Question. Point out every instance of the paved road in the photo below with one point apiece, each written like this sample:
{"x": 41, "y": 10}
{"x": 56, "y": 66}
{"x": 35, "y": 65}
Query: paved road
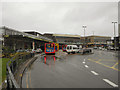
{"x": 98, "y": 70}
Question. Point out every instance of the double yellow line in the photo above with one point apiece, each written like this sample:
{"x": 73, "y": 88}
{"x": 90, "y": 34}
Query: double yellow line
{"x": 28, "y": 78}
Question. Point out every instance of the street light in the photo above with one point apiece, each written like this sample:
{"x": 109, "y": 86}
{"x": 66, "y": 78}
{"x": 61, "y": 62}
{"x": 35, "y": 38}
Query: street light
{"x": 93, "y": 33}
{"x": 114, "y": 35}
{"x": 84, "y": 27}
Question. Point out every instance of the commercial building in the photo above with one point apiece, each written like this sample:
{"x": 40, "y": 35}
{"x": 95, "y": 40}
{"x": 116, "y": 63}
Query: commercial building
{"x": 33, "y": 33}
{"x": 64, "y": 38}
{"x": 97, "y": 40}
{"x": 50, "y": 35}
{"x": 67, "y": 39}
{"x": 77, "y": 39}
{"x": 14, "y": 39}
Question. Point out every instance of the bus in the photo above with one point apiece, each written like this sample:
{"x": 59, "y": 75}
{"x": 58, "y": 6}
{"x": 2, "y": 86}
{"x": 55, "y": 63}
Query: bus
{"x": 56, "y": 46}
{"x": 50, "y": 48}
{"x": 64, "y": 48}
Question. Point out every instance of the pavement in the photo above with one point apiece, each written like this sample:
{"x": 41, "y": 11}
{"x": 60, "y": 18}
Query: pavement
{"x": 98, "y": 70}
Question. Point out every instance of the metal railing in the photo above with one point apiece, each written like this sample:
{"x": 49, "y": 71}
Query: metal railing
{"x": 12, "y": 68}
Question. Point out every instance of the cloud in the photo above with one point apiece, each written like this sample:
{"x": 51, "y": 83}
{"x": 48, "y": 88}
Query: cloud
{"x": 0, "y": 14}
{"x": 62, "y": 17}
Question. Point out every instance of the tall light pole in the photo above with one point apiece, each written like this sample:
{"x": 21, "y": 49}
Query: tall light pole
{"x": 84, "y": 27}
{"x": 94, "y": 40}
{"x": 93, "y": 33}
{"x": 114, "y": 35}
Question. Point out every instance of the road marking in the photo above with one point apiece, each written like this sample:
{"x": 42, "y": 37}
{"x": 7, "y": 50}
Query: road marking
{"x": 111, "y": 83}
{"x": 109, "y": 60}
{"x": 98, "y": 60}
{"x": 103, "y": 59}
{"x": 83, "y": 62}
{"x": 94, "y": 73}
{"x": 114, "y": 65}
{"x": 27, "y": 80}
{"x": 86, "y": 66}
{"x": 20, "y": 75}
{"x": 104, "y": 65}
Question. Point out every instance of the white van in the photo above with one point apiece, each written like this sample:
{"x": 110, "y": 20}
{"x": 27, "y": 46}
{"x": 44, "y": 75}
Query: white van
{"x": 72, "y": 49}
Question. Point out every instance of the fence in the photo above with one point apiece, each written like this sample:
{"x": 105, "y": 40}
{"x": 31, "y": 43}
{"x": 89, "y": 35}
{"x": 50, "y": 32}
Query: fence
{"x": 12, "y": 67}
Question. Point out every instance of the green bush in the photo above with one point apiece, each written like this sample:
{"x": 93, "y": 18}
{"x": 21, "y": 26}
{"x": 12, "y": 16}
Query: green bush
{"x": 7, "y": 52}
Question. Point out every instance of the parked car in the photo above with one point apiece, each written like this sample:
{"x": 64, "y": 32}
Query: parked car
{"x": 103, "y": 49}
{"x": 110, "y": 48}
{"x": 95, "y": 47}
{"x": 100, "y": 48}
{"x": 20, "y": 50}
{"x": 38, "y": 50}
{"x": 33, "y": 51}
{"x": 27, "y": 50}
{"x": 87, "y": 50}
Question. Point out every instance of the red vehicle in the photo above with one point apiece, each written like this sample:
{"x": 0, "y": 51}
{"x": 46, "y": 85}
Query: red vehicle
{"x": 64, "y": 47}
{"x": 50, "y": 48}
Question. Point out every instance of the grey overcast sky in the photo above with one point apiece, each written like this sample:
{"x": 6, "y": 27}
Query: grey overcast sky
{"x": 61, "y": 17}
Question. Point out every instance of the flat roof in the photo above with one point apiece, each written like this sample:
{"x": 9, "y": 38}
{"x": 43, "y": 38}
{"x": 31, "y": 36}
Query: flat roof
{"x": 98, "y": 36}
{"x": 66, "y": 35}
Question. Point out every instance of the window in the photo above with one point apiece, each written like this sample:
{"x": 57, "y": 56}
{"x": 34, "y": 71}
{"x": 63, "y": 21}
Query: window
{"x": 75, "y": 48}
{"x": 67, "y": 47}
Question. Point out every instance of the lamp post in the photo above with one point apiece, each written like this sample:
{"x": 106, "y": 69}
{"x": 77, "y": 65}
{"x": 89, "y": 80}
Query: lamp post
{"x": 93, "y": 33}
{"x": 114, "y": 35}
{"x": 84, "y": 27}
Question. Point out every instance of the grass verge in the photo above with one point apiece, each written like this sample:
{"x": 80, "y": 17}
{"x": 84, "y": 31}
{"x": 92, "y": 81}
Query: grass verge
{"x": 3, "y": 62}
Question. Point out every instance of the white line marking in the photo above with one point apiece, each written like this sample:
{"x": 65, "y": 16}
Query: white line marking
{"x": 94, "y": 73}
{"x": 86, "y": 66}
{"x": 111, "y": 83}
{"x": 83, "y": 62}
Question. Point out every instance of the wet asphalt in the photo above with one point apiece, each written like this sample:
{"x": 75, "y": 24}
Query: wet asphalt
{"x": 73, "y": 71}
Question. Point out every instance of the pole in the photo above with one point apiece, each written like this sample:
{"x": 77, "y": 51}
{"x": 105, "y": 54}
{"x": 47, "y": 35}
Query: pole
{"x": 93, "y": 33}
{"x": 114, "y": 36}
{"x": 114, "y": 30}
{"x": 33, "y": 45}
{"x": 84, "y": 37}
{"x": 84, "y": 34}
